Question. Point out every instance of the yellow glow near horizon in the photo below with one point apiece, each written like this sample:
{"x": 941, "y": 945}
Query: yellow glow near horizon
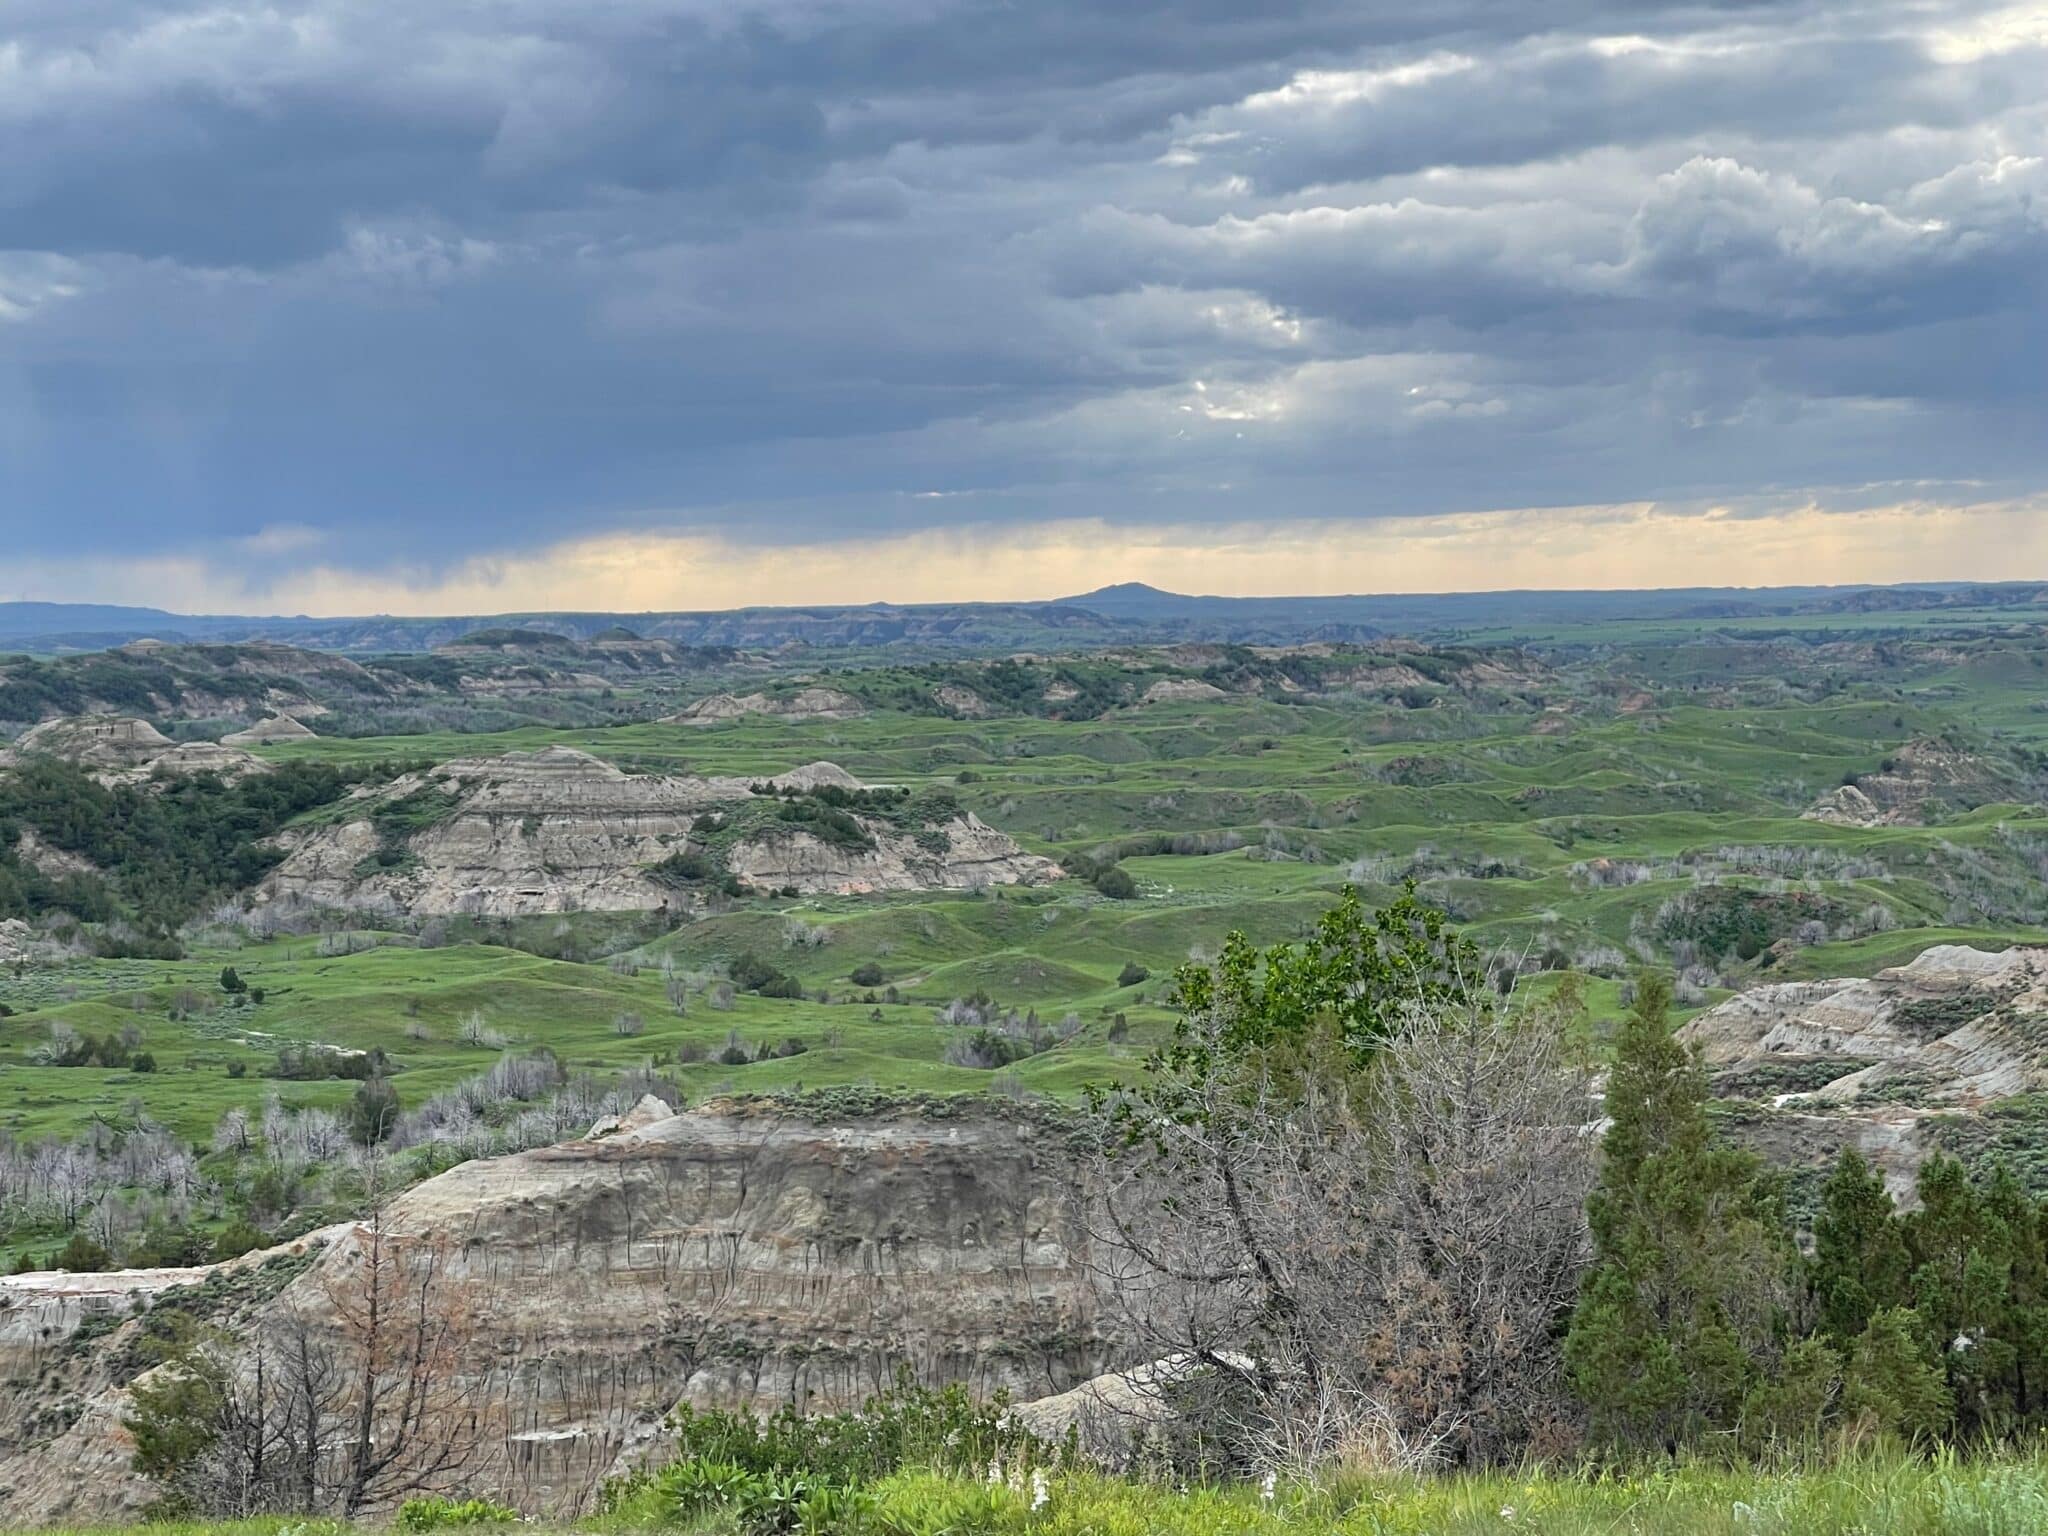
{"x": 1627, "y": 546}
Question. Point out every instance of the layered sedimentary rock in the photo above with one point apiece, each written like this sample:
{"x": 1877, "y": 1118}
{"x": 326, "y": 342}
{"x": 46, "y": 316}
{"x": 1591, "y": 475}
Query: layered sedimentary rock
{"x": 1182, "y": 690}
{"x": 1875, "y": 1061}
{"x": 122, "y": 749}
{"x": 1919, "y": 783}
{"x": 560, "y": 831}
{"x": 736, "y": 1255}
{"x": 272, "y": 728}
{"x": 804, "y": 704}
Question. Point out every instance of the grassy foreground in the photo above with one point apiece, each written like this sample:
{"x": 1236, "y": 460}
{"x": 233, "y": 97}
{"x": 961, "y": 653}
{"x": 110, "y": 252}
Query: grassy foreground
{"x": 1866, "y": 1495}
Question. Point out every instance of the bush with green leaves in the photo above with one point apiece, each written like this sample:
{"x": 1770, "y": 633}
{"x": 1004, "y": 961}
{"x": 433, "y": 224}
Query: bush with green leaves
{"x": 439, "y": 1514}
{"x": 798, "y": 1472}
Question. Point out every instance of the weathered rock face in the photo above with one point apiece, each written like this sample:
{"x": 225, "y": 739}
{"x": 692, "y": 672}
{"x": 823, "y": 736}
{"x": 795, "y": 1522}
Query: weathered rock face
{"x": 1182, "y": 690}
{"x": 17, "y": 940}
{"x": 737, "y": 1255}
{"x": 1922, "y": 780}
{"x": 972, "y": 854}
{"x": 272, "y": 728}
{"x": 964, "y": 702}
{"x": 121, "y": 749}
{"x": 804, "y": 704}
{"x": 1956, "y": 1030}
{"x": 560, "y": 831}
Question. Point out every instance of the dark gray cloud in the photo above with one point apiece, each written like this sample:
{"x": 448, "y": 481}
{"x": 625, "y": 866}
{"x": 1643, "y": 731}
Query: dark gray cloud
{"x": 428, "y": 281}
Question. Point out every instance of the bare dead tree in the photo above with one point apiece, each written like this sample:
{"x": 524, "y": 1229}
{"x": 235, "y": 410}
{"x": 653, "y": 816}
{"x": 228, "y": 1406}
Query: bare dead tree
{"x": 1338, "y": 1257}
{"x": 414, "y": 1422}
{"x": 363, "y": 1385}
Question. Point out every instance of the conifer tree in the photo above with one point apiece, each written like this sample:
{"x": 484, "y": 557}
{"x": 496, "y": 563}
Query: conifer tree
{"x": 1892, "y": 1380}
{"x": 1681, "y": 1318}
{"x": 1860, "y": 1263}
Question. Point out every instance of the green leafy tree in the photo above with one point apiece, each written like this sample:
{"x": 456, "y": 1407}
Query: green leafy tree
{"x": 1677, "y": 1326}
{"x": 1355, "y": 974}
{"x": 174, "y": 1417}
{"x": 1116, "y": 883}
{"x": 373, "y": 1111}
{"x": 81, "y": 1255}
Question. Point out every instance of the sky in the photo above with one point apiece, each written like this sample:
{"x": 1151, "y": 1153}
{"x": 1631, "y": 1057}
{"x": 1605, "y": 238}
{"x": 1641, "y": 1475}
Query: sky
{"x": 348, "y": 306}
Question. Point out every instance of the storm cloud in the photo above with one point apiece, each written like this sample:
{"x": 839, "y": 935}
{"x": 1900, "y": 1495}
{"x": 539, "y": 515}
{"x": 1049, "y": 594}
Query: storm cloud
{"x": 377, "y": 287}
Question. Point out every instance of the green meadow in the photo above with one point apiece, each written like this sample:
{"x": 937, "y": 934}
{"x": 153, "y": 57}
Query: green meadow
{"x": 1583, "y": 825}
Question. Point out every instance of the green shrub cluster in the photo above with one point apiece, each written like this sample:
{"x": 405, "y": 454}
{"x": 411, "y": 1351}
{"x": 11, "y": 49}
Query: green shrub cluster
{"x": 750, "y": 973}
{"x": 439, "y": 1514}
{"x": 797, "y": 1472}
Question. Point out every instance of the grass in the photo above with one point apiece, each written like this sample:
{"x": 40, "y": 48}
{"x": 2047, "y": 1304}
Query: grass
{"x": 1862, "y": 1495}
{"x": 1500, "y": 823}
{"x": 1495, "y": 837}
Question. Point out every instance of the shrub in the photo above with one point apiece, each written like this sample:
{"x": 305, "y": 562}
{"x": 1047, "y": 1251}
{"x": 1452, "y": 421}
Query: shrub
{"x": 866, "y": 974}
{"x": 1116, "y": 883}
{"x": 238, "y": 1237}
{"x": 373, "y": 1111}
{"x": 943, "y": 1429}
{"x": 436, "y": 1514}
{"x": 686, "y": 868}
{"x": 750, "y": 973}
{"x": 1132, "y": 975}
{"x": 987, "y": 1050}
{"x": 81, "y": 1255}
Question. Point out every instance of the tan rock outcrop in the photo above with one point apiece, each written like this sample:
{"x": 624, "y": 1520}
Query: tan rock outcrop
{"x": 742, "y": 1254}
{"x": 274, "y": 728}
{"x": 964, "y": 702}
{"x": 1920, "y": 781}
{"x": 120, "y": 749}
{"x": 1182, "y": 690}
{"x": 804, "y": 704}
{"x": 1952, "y": 1033}
{"x": 561, "y": 831}
{"x": 974, "y": 854}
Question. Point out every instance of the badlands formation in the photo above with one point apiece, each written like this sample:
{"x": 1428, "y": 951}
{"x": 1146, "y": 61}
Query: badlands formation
{"x": 1885, "y": 1063}
{"x": 738, "y": 1254}
{"x": 120, "y": 749}
{"x": 561, "y": 831}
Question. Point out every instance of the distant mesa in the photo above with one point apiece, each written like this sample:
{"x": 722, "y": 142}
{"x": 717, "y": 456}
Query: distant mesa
{"x": 1126, "y": 596}
{"x": 506, "y": 639}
